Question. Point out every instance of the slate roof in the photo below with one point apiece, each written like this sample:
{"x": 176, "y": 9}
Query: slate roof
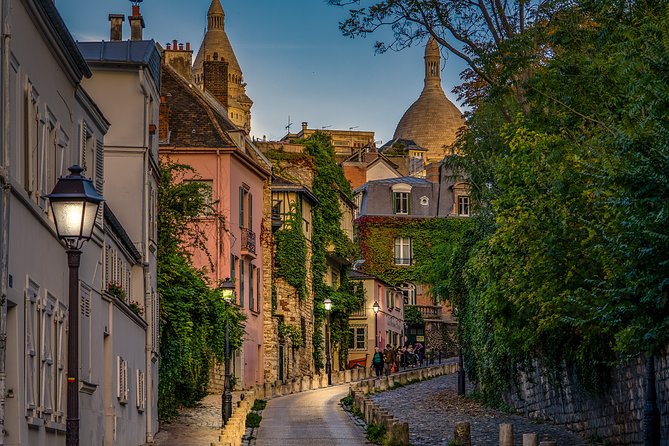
{"x": 55, "y": 22}
{"x": 391, "y": 181}
{"x": 124, "y": 52}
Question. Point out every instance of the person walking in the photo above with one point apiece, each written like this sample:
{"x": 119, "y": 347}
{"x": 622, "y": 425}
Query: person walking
{"x": 377, "y": 362}
{"x": 388, "y": 359}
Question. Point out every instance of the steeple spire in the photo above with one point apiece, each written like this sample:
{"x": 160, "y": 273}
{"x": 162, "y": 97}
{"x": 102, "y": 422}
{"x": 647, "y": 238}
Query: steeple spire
{"x": 215, "y": 16}
{"x": 432, "y": 64}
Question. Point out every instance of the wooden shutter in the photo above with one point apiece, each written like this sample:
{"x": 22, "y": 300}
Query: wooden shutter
{"x": 250, "y": 210}
{"x": 99, "y": 166}
{"x": 242, "y": 192}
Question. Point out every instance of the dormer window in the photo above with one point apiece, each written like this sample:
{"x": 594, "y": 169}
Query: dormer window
{"x": 401, "y": 198}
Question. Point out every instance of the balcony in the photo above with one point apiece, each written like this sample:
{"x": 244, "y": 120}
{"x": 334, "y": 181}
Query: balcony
{"x": 429, "y": 312}
{"x": 248, "y": 243}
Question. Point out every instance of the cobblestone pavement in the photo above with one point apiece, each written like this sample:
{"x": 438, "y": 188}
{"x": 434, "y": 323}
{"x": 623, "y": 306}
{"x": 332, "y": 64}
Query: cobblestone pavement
{"x": 196, "y": 426}
{"x": 433, "y": 407}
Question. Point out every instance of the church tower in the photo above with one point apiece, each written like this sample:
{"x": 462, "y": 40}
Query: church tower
{"x": 433, "y": 120}
{"x": 217, "y": 70}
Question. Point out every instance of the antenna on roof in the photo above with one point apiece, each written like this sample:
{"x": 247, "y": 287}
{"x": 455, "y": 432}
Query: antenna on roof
{"x": 289, "y": 125}
{"x": 325, "y": 127}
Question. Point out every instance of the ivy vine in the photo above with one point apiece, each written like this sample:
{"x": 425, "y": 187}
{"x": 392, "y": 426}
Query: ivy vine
{"x": 291, "y": 252}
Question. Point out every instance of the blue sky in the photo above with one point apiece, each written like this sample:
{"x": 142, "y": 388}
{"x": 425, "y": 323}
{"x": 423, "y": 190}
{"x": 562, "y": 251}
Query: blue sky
{"x": 295, "y": 60}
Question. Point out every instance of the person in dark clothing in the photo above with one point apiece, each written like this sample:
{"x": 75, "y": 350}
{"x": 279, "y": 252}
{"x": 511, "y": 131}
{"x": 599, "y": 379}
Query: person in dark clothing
{"x": 377, "y": 362}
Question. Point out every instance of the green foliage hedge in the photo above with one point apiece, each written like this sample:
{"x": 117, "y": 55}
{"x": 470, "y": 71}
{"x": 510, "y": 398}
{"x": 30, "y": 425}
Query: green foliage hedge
{"x": 567, "y": 258}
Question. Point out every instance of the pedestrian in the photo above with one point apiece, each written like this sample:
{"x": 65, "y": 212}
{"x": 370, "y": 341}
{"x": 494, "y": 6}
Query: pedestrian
{"x": 377, "y": 362}
{"x": 388, "y": 359}
{"x": 420, "y": 351}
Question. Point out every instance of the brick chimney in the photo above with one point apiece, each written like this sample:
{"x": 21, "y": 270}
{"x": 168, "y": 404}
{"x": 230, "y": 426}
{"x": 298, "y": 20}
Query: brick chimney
{"x": 116, "y": 32}
{"x": 136, "y": 23}
{"x": 180, "y": 58}
{"x": 304, "y": 126}
{"x": 215, "y": 79}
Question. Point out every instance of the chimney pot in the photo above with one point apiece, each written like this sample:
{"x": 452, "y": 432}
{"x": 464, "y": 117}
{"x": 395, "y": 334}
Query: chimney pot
{"x": 136, "y": 23}
{"x": 174, "y": 45}
{"x": 169, "y": 47}
{"x": 187, "y": 46}
{"x": 181, "y": 47}
{"x": 304, "y": 125}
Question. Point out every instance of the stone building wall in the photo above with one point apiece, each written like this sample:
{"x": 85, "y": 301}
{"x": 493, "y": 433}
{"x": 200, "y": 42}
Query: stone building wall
{"x": 270, "y": 323}
{"x": 616, "y": 416}
{"x": 440, "y": 336}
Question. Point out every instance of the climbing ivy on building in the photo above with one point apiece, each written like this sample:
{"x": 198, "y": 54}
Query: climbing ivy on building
{"x": 192, "y": 315}
{"x": 377, "y": 243}
{"x": 291, "y": 252}
{"x": 328, "y": 238}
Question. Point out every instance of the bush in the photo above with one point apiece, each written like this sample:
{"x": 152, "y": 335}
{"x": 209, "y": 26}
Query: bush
{"x": 253, "y": 419}
{"x": 259, "y": 405}
{"x": 376, "y": 433}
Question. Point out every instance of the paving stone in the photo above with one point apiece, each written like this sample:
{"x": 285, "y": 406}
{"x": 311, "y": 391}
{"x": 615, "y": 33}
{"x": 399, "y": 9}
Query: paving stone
{"x": 433, "y": 407}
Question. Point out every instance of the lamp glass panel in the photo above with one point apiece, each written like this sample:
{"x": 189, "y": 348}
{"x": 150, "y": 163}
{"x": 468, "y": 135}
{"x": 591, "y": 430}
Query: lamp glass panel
{"x": 227, "y": 294}
{"x": 68, "y": 217}
{"x": 328, "y": 304}
{"x": 89, "y": 219}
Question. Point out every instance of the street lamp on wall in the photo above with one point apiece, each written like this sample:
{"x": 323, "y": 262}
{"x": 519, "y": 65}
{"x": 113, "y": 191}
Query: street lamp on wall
{"x": 328, "y": 366}
{"x": 227, "y": 292}
{"x": 74, "y": 204}
{"x": 376, "y": 309}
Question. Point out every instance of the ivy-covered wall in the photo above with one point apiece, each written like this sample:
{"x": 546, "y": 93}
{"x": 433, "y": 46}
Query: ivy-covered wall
{"x": 376, "y": 238}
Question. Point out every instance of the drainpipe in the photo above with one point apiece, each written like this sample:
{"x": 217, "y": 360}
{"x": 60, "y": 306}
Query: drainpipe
{"x": 146, "y": 263}
{"x": 4, "y": 208}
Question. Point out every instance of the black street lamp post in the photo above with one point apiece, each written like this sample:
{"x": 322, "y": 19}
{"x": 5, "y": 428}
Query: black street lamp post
{"x": 74, "y": 204}
{"x": 328, "y": 366}
{"x": 376, "y": 308}
{"x": 227, "y": 291}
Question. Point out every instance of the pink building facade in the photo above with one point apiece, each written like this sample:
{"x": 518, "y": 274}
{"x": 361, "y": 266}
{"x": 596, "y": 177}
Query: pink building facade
{"x": 196, "y": 131}
{"x": 371, "y": 329}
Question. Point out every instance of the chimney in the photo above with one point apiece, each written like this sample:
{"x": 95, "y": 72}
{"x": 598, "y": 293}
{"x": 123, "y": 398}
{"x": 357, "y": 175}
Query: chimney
{"x": 215, "y": 79}
{"x": 179, "y": 59}
{"x": 136, "y": 23}
{"x": 116, "y": 32}
{"x": 304, "y": 126}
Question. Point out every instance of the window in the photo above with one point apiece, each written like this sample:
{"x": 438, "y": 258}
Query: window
{"x": 141, "y": 391}
{"x": 258, "y": 289}
{"x": 358, "y": 337}
{"x": 401, "y": 202}
{"x": 85, "y": 333}
{"x": 245, "y": 208}
{"x": 409, "y": 293}
{"x": 403, "y": 251}
{"x": 45, "y": 347}
{"x": 242, "y": 211}
{"x": 251, "y": 296}
{"x": 463, "y": 205}
{"x": 122, "y": 389}
{"x": 390, "y": 299}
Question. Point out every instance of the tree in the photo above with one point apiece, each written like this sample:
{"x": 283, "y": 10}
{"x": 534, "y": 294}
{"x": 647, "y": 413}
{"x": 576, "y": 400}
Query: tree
{"x": 495, "y": 38}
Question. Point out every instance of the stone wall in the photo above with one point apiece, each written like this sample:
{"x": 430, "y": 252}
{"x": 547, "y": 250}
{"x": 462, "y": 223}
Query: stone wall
{"x": 440, "y": 336}
{"x": 616, "y": 416}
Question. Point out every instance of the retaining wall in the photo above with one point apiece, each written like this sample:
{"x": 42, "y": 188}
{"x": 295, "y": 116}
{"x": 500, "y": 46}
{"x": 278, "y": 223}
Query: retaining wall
{"x": 616, "y": 416}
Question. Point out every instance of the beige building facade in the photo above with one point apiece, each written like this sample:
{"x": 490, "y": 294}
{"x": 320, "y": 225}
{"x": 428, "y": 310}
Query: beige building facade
{"x": 50, "y": 123}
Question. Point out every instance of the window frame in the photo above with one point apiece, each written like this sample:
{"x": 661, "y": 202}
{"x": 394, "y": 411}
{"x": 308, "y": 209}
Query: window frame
{"x": 402, "y": 247}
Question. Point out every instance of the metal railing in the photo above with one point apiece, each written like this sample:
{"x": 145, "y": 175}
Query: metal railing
{"x": 248, "y": 241}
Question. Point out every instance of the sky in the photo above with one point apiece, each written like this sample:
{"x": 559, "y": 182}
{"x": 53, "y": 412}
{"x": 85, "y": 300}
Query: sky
{"x": 295, "y": 61}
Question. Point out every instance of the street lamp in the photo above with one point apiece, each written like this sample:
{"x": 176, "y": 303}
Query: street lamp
{"x": 74, "y": 204}
{"x": 227, "y": 292}
{"x": 376, "y": 309}
{"x": 328, "y": 367}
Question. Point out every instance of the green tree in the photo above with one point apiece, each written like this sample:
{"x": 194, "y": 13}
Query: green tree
{"x": 192, "y": 315}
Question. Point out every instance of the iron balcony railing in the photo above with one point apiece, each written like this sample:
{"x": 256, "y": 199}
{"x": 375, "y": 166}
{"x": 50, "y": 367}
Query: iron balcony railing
{"x": 248, "y": 241}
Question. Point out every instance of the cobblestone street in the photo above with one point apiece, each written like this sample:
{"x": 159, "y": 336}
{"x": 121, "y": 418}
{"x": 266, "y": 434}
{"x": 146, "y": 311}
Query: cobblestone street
{"x": 196, "y": 426}
{"x": 433, "y": 407}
